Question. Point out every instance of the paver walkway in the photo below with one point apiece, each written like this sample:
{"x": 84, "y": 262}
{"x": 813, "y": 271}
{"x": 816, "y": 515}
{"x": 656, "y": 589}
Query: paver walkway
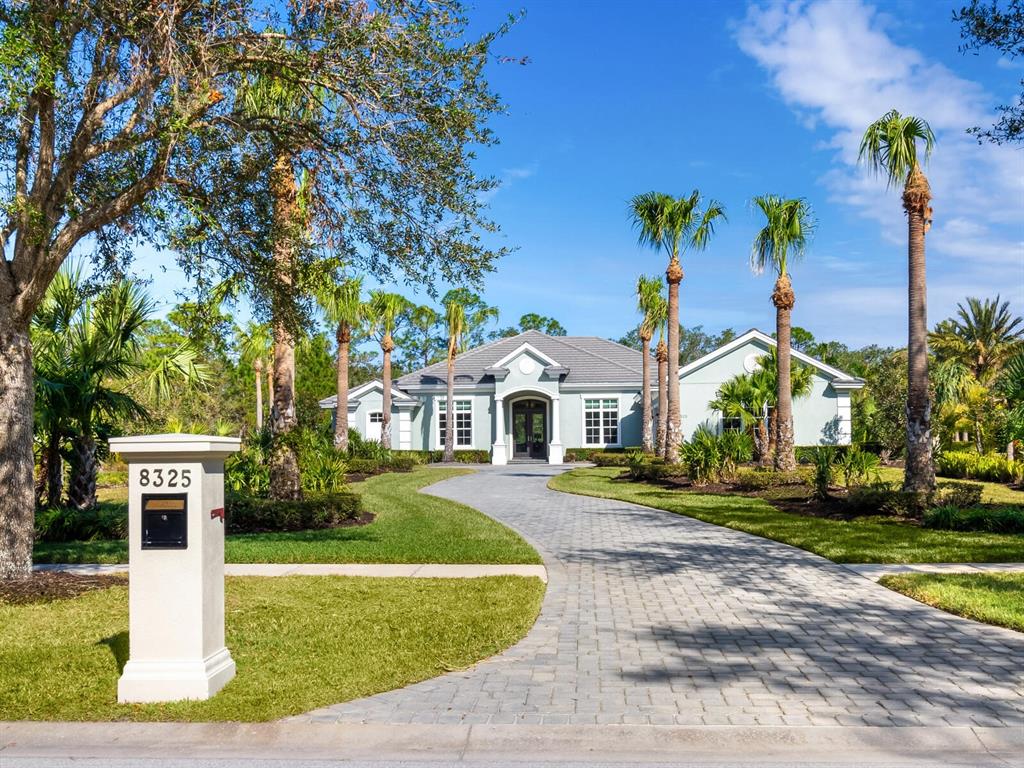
{"x": 655, "y": 618}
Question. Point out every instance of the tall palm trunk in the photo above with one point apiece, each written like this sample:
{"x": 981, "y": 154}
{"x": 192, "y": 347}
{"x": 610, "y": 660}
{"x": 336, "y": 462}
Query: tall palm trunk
{"x": 449, "y": 411}
{"x": 84, "y": 468}
{"x": 673, "y": 430}
{"x": 761, "y": 441}
{"x": 54, "y": 469}
{"x": 17, "y": 401}
{"x": 920, "y": 473}
{"x": 647, "y": 438}
{"x": 284, "y": 465}
{"x": 661, "y": 355}
{"x": 258, "y": 367}
{"x": 773, "y": 434}
{"x": 784, "y": 299}
{"x": 387, "y": 346}
{"x": 344, "y": 338}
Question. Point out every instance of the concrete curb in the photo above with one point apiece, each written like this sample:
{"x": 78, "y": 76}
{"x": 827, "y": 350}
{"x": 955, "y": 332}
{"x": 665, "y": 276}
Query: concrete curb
{"x": 823, "y": 745}
{"x": 875, "y": 571}
{"x": 374, "y": 570}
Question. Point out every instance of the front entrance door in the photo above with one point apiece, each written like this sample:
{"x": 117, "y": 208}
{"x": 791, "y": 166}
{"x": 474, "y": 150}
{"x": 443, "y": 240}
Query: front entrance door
{"x": 530, "y": 429}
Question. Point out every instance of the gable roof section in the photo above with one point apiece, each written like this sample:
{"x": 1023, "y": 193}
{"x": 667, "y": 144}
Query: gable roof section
{"x": 837, "y": 377}
{"x": 589, "y": 360}
{"x": 354, "y": 395}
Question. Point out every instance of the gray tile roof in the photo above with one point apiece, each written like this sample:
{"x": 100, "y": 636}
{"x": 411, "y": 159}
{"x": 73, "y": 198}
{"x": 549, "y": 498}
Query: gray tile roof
{"x": 590, "y": 360}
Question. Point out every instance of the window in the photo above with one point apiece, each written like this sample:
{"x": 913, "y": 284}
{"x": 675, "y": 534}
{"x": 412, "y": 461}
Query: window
{"x": 601, "y": 421}
{"x": 463, "y": 422}
{"x": 732, "y": 424}
{"x": 376, "y": 417}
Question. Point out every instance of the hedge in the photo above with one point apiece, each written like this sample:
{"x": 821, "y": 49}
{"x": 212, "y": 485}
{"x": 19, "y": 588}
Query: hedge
{"x": 999, "y": 520}
{"x": 974, "y": 466}
{"x": 252, "y": 515}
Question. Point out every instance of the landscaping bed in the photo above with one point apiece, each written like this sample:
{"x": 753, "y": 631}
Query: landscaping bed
{"x": 407, "y": 527}
{"x": 994, "y": 598}
{"x": 47, "y": 586}
{"x": 860, "y": 539}
{"x": 300, "y": 642}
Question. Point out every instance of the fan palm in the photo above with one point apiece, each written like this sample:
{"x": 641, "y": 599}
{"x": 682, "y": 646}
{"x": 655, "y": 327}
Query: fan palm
{"x": 652, "y": 307}
{"x": 746, "y": 398}
{"x": 982, "y": 336}
{"x": 801, "y": 380}
{"x": 1011, "y": 387}
{"x": 343, "y": 306}
{"x": 455, "y": 322}
{"x": 385, "y": 310}
{"x": 783, "y": 238}
{"x": 889, "y": 147}
{"x": 673, "y": 225}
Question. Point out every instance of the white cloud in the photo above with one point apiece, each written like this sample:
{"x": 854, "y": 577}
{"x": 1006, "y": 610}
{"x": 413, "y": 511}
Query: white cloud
{"x": 836, "y": 65}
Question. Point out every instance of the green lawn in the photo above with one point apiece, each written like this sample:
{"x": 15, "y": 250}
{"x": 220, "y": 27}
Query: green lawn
{"x": 993, "y": 493}
{"x": 995, "y": 598}
{"x": 864, "y": 540}
{"x": 410, "y": 527}
{"x": 300, "y": 642}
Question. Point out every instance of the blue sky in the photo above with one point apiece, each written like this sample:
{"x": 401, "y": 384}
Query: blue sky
{"x": 739, "y": 99}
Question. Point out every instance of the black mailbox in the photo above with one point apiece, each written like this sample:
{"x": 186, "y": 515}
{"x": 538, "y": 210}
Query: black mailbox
{"x": 165, "y": 521}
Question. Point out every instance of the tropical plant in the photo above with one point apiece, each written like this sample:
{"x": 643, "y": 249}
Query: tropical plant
{"x": 653, "y": 308}
{"x": 823, "y": 459}
{"x": 478, "y": 315}
{"x": 673, "y": 225}
{"x": 1011, "y": 387}
{"x": 343, "y": 306}
{"x": 711, "y": 458}
{"x": 801, "y": 381}
{"x": 890, "y": 148}
{"x": 255, "y": 346}
{"x": 455, "y": 322}
{"x": 385, "y": 312}
{"x": 981, "y": 337}
{"x": 858, "y": 466}
{"x": 784, "y": 237}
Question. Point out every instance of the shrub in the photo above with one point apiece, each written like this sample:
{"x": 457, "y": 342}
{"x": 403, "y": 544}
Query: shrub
{"x": 887, "y": 499}
{"x": 59, "y": 524}
{"x": 587, "y": 454}
{"x": 360, "y": 448}
{"x": 464, "y": 456}
{"x": 704, "y": 457}
{"x": 247, "y": 472}
{"x": 639, "y": 464}
{"x": 401, "y": 464}
{"x": 959, "y": 495}
{"x": 738, "y": 448}
{"x": 366, "y": 467}
{"x": 823, "y": 458}
{"x": 252, "y": 515}
{"x": 110, "y": 478}
{"x": 992, "y": 467}
{"x": 608, "y": 459}
{"x": 858, "y": 466}
{"x": 760, "y": 478}
{"x": 999, "y": 520}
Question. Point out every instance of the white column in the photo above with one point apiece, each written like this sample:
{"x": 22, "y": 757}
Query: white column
{"x": 499, "y": 452}
{"x": 555, "y": 453}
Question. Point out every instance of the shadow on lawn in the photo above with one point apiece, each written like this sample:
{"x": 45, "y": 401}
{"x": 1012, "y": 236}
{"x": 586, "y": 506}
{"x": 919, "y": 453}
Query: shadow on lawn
{"x": 118, "y": 645}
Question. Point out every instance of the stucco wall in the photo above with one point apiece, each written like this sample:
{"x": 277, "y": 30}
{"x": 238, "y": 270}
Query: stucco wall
{"x": 630, "y": 416}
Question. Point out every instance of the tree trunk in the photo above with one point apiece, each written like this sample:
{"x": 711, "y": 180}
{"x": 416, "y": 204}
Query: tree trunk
{"x": 647, "y": 438}
{"x": 84, "y": 468}
{"x": 449, "y": 414}
{"x": 783, "y": 299}
{"x": 17, "y": 401}
{"x": 919, "y": 476}
{"x": 344, "y": 338}
{"x": 773, "y": 434}
{"x": 387, "y": 345}
{"x": 284, "y": 465}
{"x": 258, "y": 366}
{"x": 673, "y": 429}
{"x": 761, "y": 441}
{"x": 54, "y": 469}
{"x": 661, "y": 355}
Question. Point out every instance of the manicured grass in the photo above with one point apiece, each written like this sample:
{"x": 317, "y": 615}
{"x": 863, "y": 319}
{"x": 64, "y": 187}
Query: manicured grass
{"x": 410, "y": 527}
{"x": 299, "y": 642}
{"x": 994, "y": 598}
{"x": 864, "y": 540}
{"x": 993, "y": 493}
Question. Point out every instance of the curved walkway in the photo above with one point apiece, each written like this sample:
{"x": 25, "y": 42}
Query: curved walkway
{"x": 655, "y": 618}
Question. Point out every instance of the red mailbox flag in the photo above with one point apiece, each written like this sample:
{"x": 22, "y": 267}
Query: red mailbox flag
{"x": 217, "y": 513}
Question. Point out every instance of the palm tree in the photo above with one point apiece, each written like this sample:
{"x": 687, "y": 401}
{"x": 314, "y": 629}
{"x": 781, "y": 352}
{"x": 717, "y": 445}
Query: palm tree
{"x": 385, "y": 311}
{"x": 784, "y": 237}
{"x": 344, "y": 308}
{"x": 652, "y": 307}
{"x": 801, "y": 380}
{"x": 455, "y": 321}
{"x": 672, "y": 225}
{"x": 982, "y": 336}
{"x": 889, "y": 147}
{"x": 661, "y": 356}
{"x": 255, "y": 345}
{"x": 1010, "y": 386}
{"x": 747, "y": 399}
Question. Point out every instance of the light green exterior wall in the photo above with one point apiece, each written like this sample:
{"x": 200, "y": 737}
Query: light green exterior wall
{"x": 630, "y": 416}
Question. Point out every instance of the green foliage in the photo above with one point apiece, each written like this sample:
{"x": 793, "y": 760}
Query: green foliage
{"x": 762, "y": 478}
{"x": 858, "y": 466}
{"x": 960, "y": 495}
{"x": 889, "y": 145}
{"x": 637, "y": 463}
{"x": 61, "y": 524}
{"x": 823, "y": 459}
{"x": 967, "y": 464}
{"x": 361, "y": 448}
{"x": 321, "y": 466}
{"x": 255, "y": 515}
{"x": 711, "y": 458}
{"x": 607, "y": 459}
{"x": 955, "y": 518}
{"x": 587, "y": 454}
{"x": 787, "y": 230}
{"x": 531, "y": 321}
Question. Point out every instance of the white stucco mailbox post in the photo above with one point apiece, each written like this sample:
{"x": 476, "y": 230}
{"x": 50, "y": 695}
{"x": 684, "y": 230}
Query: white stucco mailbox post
{"x": 175, "y": 567}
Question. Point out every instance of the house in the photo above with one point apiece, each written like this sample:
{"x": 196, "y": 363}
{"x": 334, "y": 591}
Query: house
{"x": 531, "y": 396}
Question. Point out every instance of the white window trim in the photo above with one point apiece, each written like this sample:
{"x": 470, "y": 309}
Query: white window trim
{"x": 439, "y": 434}
{"x": 366, "y": 430}
{"x": 617, "y": 397}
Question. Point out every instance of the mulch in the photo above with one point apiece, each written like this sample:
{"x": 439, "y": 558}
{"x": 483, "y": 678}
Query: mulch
{"x": 47, "y": 586}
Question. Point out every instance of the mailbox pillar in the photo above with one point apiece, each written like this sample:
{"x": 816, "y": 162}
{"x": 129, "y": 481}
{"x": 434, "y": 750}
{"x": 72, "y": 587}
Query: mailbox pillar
{"x": 175, "y": 567}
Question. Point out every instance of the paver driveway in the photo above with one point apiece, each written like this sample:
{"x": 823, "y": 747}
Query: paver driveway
{"x": 655, "y": 618}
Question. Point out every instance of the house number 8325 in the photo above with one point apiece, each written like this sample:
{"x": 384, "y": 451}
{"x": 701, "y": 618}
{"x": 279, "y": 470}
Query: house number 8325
{"x": 171, "y": 478}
